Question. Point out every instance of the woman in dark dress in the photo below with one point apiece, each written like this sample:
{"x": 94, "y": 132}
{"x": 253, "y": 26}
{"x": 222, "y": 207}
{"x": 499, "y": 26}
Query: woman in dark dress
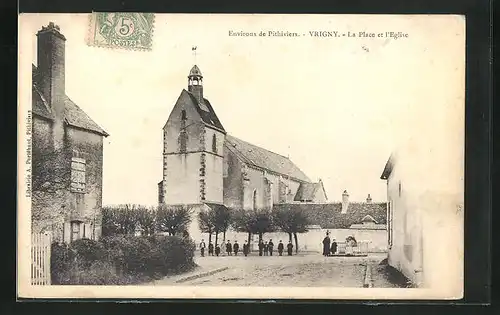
{"x": 326, "y": 245}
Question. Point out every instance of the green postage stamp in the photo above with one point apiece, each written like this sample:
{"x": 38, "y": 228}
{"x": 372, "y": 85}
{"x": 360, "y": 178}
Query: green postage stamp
{"x": 123, "y": 30}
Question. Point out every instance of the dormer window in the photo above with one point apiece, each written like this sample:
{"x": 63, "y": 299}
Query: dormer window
{"x": 183, "y": 115}
{"x": 214, "y": 144}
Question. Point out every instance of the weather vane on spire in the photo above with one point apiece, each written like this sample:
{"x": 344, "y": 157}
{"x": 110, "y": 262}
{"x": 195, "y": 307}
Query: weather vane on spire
{"x": 193, "y": 49}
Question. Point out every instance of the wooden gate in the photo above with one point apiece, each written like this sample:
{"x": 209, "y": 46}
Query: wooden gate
{"x": 40, "y": 258}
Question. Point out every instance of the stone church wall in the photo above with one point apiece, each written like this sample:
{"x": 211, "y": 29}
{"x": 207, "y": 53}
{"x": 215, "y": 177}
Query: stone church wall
{"x": 183, "y": 178}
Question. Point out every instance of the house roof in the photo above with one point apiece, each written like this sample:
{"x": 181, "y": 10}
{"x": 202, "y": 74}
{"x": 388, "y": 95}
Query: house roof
{"x": 264, "y": 159}
{"x": 73, "y": 115}
{"x": 215, "y": 206}
{"x": 329, "y": 216}
{"x": 307, "y": 191}
{"x": 207, "y": 116}
{"x": 368, "y": 218}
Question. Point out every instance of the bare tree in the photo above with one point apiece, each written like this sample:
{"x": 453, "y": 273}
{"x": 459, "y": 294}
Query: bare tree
{"x": 173, "y": 219}
{"x": 121, "y": 219}
{"x": 146, "y": 219}
{"x": 253, "y": 222}
{"x": 292, "y": 221}
{"x": 206, "y": 222}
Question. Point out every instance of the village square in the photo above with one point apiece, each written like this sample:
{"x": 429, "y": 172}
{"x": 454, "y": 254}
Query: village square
{"x": 228, "y": 212}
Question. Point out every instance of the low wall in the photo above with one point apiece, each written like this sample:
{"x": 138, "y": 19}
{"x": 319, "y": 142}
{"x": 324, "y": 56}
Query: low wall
{"x": 312, "y": 240}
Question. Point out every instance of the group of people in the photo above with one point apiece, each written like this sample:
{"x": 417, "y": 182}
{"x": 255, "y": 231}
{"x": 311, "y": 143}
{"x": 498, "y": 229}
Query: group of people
{"x": 329, "y": 246}
{"x": 265, "y": 248}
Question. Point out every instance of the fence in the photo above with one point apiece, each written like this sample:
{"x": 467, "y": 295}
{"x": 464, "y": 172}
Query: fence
{"x": 361, "y": 248}
{"x": 40, "y": 258}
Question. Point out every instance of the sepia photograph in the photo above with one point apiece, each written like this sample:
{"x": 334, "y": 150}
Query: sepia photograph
{"x": 241, "y": 156}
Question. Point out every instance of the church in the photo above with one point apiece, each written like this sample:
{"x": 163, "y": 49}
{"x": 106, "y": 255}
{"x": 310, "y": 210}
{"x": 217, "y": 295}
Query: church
{"x": 205, "y": 166}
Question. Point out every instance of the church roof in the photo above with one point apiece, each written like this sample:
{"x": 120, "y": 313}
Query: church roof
{"x": 307, "y": 191}
{"x": 330, "y": 216}
{"x": 73, "y": 115}
{"x": 195, "y": 71}
{"x": 264, "y": 159}
{"x": 209, "y": 117}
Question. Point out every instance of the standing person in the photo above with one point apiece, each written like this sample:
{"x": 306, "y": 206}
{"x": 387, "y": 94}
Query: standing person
{"x": 202, "y": 248}
{"x": 217, "y": 250}
{"x": 271, "y": 246}
{"x": 289, "y": 248}
{"x": 326, "y": 245}
{"x": 266, "y": 249}
{"x": 210, "y": 249}
{"x": 236, "y": 248}
{"x": 261, "y": 247}
{"x": 246, "y": 248}
{"x": 333, "y": 249}
{"x": 229, "y": 248}
{"x": 280, "y": 248}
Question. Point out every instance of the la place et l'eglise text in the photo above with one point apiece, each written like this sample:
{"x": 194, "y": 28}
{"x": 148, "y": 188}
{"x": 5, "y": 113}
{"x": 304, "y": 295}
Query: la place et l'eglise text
{"x": 264, "y": 33}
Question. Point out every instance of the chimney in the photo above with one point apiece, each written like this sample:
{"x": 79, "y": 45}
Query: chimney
{"x": 51, "y": 59}
{"x": 369, "y": 199}
{"x": 345, "y": 201}
{"x": 51, "y": 74}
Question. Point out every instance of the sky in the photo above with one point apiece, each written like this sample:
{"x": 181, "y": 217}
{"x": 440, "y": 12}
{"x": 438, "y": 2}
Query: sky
{"x": 336, "y": 106}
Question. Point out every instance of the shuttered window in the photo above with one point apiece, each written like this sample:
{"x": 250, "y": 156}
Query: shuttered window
{"x": 78, "y": 168}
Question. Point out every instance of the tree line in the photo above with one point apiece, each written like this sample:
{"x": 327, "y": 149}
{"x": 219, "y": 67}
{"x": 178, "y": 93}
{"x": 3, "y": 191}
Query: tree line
{"x": 127, "y": 219}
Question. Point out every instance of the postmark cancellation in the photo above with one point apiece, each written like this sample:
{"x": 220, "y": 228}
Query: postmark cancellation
{"x": 121, "y": 30}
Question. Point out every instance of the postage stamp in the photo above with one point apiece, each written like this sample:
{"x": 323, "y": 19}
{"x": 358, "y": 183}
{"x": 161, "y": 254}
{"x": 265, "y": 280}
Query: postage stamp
{"x": 123, "y": 30}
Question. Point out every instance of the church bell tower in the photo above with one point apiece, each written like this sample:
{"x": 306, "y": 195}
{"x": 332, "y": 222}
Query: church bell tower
{"x": 195, "y": 83}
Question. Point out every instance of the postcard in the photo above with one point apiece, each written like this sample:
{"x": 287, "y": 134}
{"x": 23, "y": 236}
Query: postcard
{"x": 245, "y": 156}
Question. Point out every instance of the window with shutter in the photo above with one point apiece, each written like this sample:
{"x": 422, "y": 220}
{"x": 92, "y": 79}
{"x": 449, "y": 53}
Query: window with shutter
{"x": 78, "y": 168}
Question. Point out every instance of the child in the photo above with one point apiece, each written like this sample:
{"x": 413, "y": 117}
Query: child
{"x": 217, "y": 250}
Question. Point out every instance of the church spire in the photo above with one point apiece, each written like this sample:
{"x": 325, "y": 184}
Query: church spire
{"x": 195, "y": 80}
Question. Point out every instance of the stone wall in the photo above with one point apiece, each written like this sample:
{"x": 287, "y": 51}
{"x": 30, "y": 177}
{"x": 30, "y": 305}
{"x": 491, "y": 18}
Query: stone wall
{"x": 54, "y": 204}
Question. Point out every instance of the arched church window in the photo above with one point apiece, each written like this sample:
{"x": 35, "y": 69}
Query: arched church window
{"x": 183, "y": 137}
{"x": 214, "y": 144}
{"x": 255, "y": 199}
{"x": 183, "y": 115}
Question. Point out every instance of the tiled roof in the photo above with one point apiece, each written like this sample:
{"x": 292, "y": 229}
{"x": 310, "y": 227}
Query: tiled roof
{"x": 307, "y": 191}
{"x": 73, "y": 115}
{"x": 209, "y": 117}
{"x": 264, "y": 159}
{"x": 329, "y": 216}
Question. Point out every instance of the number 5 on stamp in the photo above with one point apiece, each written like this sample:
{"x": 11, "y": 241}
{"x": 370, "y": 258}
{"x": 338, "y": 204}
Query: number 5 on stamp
{"x": 126, "y": 30}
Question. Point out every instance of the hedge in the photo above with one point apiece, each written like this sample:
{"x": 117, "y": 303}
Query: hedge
{"x": 120, "y": 259}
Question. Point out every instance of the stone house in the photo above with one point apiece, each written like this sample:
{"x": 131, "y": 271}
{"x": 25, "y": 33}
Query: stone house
{"x": 67, "y": 150}
{"x": 425, "y": 225}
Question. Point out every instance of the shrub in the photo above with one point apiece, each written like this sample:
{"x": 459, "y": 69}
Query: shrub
{"x": 88, "y": 251}
{"x": 61, "y": 260}
{"x": 120, "y": 259}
